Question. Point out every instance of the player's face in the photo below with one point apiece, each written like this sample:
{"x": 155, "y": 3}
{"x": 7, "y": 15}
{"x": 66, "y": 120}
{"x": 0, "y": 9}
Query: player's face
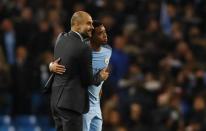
{"x": 86, "y": 26}
{"x": 100, "y": 35}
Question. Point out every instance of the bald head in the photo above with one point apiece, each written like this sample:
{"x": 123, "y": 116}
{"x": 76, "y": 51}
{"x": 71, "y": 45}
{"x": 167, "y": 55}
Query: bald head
{"x": 78, "y": 16}
{"x": 82, "y": 22}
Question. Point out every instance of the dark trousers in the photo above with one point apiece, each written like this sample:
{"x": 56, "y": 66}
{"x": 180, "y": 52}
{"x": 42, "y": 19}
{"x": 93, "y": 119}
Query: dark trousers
{"x": 66, "y": 120}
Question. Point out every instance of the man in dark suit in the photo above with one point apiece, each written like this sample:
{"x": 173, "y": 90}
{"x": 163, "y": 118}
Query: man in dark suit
{"x": 69, "y": 96}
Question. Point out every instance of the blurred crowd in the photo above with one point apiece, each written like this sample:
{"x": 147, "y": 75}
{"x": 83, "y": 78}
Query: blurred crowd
{"x": 158, "y": 74}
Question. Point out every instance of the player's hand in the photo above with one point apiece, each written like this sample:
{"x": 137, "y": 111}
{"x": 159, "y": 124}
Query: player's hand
{"x": 104, "y": 74}
{"x": 57, "y": 68}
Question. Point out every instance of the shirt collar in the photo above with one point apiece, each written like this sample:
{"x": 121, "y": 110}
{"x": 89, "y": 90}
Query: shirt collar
{"x": 79, "y": 35}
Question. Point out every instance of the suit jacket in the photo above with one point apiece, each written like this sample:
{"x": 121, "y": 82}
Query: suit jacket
{"x": 70, "y": 90}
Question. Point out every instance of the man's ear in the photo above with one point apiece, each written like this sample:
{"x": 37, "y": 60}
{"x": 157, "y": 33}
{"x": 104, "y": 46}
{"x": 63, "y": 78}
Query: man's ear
{"x": 77, "y": 26}
{"x": 75, "y": 23}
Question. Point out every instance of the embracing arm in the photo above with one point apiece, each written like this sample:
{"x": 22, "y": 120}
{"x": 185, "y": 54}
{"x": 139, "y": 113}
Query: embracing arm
{"x": 86, "y": 72}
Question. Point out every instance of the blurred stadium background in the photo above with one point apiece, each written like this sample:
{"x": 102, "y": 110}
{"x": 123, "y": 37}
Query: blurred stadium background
{"x": 158, "y": 78}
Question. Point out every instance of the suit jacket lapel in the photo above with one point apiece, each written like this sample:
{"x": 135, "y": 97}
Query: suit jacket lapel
{"x": 75, "y": 34}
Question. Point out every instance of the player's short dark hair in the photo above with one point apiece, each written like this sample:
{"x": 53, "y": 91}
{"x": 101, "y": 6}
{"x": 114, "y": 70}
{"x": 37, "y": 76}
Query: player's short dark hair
{"x": 96, "y": 23}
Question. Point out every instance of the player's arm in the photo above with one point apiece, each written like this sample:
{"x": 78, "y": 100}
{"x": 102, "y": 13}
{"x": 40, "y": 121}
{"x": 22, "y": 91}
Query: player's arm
{"x": 102, "y": 75}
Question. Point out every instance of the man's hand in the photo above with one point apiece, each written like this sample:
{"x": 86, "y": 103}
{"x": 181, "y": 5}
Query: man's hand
{"x": 57, "y": 68}
{"x": 104, "y": 74}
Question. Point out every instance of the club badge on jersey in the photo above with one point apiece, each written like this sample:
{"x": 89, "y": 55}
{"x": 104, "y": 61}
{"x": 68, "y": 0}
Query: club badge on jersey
{"x": 106, "y": 60}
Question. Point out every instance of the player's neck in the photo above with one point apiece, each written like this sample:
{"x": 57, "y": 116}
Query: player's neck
{"x": 94, "y": 46}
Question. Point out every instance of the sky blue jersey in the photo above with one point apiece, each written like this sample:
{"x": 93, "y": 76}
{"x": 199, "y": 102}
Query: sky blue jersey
{"x": 100, "y": 60}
